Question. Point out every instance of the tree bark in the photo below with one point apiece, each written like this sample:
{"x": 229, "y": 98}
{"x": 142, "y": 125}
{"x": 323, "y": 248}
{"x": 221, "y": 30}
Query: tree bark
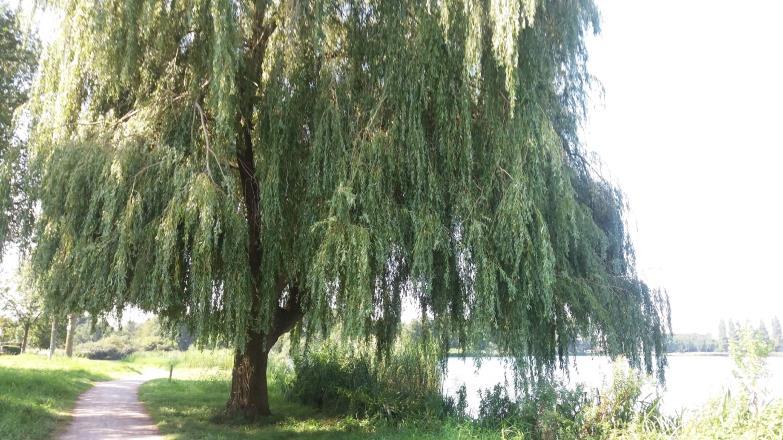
{"x": 25, "y": 335}
{"x": 249, "y": 387}
{"x": 69, "y": 335}
{"x": 53, "y": 337}
{"x": 249, "y": 390}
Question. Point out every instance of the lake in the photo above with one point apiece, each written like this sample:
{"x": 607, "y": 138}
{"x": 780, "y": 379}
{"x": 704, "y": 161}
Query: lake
{"x": 691, "y": 380}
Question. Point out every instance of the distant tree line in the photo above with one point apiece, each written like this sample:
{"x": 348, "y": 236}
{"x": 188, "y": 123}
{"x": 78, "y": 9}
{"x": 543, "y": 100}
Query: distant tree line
{"x": 727, "y": 331}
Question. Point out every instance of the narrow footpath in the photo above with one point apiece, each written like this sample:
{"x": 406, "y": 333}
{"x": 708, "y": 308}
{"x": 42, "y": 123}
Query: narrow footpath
{"x": 111, "y": 410}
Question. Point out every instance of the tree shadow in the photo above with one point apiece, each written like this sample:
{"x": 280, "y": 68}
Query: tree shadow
{"x": 195, "y": 409}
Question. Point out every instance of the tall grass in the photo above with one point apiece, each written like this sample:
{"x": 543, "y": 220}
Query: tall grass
{"x": 220, "y": 359}
{"x": 404, "y": 385}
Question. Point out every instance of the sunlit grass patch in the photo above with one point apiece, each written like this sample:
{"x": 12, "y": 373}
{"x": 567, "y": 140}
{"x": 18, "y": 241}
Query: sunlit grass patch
{"x": 36, "y": 394}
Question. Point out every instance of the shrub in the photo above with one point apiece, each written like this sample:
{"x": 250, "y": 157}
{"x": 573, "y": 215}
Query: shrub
{"x": 114, "y": 347}
{"x": 156, "y": 343}
{"x": 10, "y": 349}
{"x": 749, "y": 351}
{"x": 547, "y": 410}
{"x": 402, "y": 385}
{"x": 620, "y": 404}
{"x": 734, "y": 417}
{"x": 550, "y": 410}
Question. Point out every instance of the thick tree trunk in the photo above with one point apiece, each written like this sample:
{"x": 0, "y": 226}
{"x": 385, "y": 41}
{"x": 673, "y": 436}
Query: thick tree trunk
{"x": 25, "y": 336}
{"x": 69, "y": 335}
{"x": 249, "y": 389}
{"x": 53, "y": 337}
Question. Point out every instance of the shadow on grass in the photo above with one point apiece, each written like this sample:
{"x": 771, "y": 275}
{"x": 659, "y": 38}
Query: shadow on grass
{"x": 193, "y": 409}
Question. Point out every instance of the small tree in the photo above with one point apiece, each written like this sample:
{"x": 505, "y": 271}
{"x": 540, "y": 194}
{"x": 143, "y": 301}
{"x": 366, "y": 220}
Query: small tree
{"x": 777, "y": 336}
{"x": 23, "y": 304}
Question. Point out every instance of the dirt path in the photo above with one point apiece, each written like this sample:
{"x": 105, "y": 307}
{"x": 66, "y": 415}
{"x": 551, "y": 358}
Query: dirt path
{"x": 111, "y": 410}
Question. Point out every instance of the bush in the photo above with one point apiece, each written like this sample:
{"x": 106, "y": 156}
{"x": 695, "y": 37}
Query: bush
{"x": 156, "y": 343}
{"x": 404, "y": 385}
{"x": 10, "y": 349}
{"x": 114, "y": 347}
{"x": 620, "y": 405}
{"x": 548, "y": 410}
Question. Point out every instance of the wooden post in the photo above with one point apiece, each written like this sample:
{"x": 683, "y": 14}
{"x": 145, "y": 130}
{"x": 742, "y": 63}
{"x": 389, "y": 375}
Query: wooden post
{"x": 171, "y": 371}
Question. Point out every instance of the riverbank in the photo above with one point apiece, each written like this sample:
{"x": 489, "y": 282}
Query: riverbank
{"x": 191, "y": 405}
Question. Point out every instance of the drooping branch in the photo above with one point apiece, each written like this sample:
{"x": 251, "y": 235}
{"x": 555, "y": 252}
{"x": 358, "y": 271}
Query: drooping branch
{"x": 368, "y": 135}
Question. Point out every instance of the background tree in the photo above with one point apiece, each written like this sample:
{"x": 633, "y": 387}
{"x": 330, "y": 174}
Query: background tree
{"x": 777, "y": 335}
{"x": 252, "y": 167}
{"x": 731, "y": 330}
{"x": 24, "y": 305}
{"x": 723, "y": 339}
{"x": 71, "y": 333}
{"x": 53, "y": 335}
{"x": 692, "y": 342}
{"x": 762, "y": 331}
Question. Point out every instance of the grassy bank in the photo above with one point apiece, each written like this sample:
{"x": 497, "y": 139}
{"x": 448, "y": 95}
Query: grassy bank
{"x": 191, "y": 409}
{"x": 337, "y": 395}
{"x": 351, "y": 408}
{"x": 37, "y": 394}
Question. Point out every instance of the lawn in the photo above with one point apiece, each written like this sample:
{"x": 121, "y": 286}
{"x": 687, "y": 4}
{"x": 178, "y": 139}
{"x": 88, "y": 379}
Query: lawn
{"x": 191, "y": 409}
{"x": 37, "y": 394}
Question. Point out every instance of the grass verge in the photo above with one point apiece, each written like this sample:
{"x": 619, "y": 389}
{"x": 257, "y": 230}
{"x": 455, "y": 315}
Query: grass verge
{"x": 37, "y": 394}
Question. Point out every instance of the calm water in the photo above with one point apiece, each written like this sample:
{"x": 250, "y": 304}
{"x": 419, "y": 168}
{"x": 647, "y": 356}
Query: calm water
{"x": 691, "y": 380}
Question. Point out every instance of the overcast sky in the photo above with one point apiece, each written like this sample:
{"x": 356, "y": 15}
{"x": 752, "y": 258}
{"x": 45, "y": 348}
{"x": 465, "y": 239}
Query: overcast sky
{"x": 688, "y": 128}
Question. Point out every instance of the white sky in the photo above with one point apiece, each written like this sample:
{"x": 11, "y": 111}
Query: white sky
{"x": 688, "y": 128}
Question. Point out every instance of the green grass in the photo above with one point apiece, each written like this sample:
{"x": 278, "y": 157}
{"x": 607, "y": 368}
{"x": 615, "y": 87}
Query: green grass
{"x": 37, "y": 394}
{"x": 222, "y": 359}
{"x": 192, "y": 409}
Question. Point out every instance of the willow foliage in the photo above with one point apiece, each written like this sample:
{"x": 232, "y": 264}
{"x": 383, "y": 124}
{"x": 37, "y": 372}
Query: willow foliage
{"x": 420, "y": 151}
{"x": 18, "y": 57}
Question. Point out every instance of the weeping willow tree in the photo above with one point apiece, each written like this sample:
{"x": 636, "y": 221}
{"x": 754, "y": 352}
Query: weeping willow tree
{"x": 255, "y": 167}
